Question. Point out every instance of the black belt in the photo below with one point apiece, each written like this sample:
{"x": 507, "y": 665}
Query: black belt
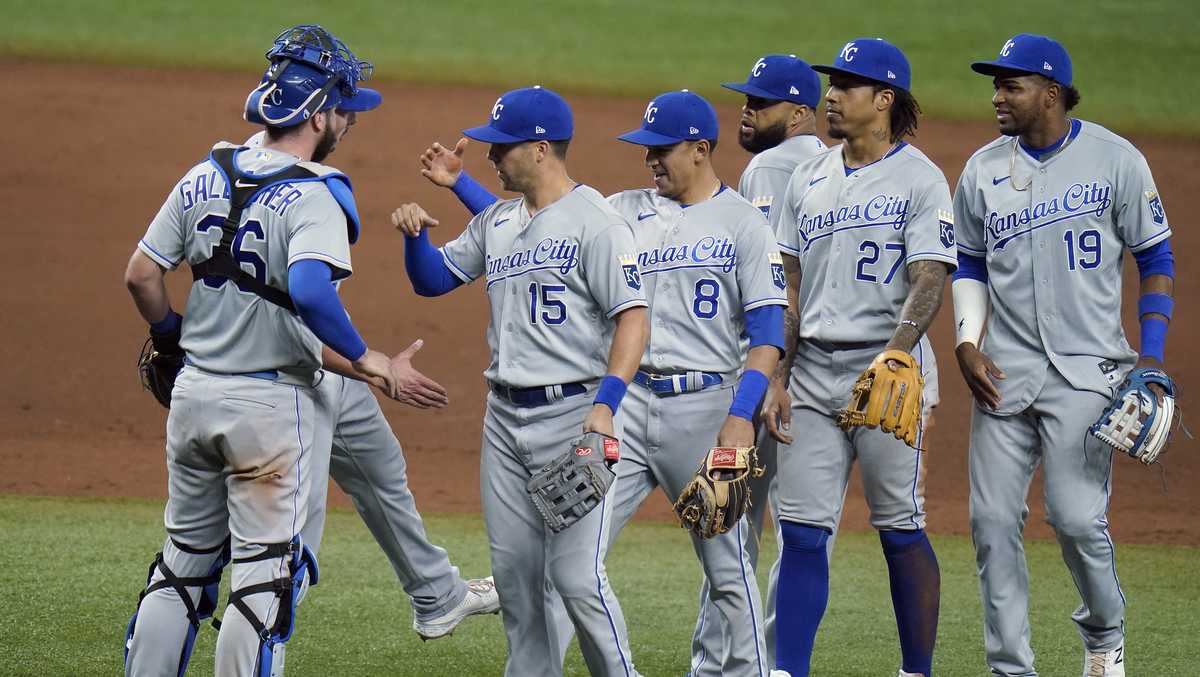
{"x": 537, "y": 396}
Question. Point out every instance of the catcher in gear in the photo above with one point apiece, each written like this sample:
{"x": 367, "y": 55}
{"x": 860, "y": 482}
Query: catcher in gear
{"x": 713, "y": 503}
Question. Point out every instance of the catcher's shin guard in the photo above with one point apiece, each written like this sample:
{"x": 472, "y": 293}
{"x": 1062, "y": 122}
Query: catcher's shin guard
{"x": 198, "y": 611}
{"x": 302, "y": 564}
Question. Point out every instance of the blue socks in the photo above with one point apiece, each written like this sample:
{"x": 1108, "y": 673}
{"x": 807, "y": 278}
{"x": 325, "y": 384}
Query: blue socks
{"x": 916, "y": 591}
{"x": 802, "y": 596}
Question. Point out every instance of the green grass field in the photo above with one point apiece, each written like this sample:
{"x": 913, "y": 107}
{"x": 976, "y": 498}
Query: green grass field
{"x": 1133, "y": 60}
{"x": 70, "y": 571}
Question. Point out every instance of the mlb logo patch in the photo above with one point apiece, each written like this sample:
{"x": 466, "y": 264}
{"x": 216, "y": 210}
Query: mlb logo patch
{"x": 946, "y": 228}
{"x": 1156, "y": 209}
{"x": 629, "y": 268}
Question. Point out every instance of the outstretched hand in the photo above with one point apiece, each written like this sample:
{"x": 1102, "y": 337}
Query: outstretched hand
{"x": 411, "y": 386}
{"x": 442, "y": 166}
{"x": 410, "y": 218}
{"x": 374, "y": 365}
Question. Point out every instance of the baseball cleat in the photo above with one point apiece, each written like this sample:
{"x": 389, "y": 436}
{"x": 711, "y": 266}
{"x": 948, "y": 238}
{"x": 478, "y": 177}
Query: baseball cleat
{"x": 481, "y": 598}
{"x": 1105, "y": 663}
{"x": 780, "y": 673}
{"x": 909, "y": 674}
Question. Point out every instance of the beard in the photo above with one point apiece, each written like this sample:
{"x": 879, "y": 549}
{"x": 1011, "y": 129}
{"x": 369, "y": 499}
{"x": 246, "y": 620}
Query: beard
{"x": 837, "y": 132}
{"x": 765, "y": 138}
{"x": 325, "y": 146}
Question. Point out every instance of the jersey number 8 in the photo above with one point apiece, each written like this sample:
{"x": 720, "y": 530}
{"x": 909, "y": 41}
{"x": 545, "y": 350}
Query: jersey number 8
{"x": 708, "y": 291}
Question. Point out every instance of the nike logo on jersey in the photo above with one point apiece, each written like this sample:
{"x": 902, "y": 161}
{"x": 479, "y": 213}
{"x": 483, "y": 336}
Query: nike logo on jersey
{"x": 817, "y": 180}
{"x": 643, "y": 217}
{"x": 499, "y": 223}
{"x": 998, "y": 180}
{"x": 239, "y": 184}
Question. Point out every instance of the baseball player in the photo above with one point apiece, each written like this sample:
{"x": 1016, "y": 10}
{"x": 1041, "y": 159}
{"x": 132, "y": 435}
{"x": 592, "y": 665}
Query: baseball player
{"x": 1042, "y": 215}
{"x": 713, "y": 277}
{"x": 867, "y": 237}
{"x": 778, "y": 126}
{"x": 568, "y": 328}
{"x": 367, "y": 462}
{"x": 265, "y": 232}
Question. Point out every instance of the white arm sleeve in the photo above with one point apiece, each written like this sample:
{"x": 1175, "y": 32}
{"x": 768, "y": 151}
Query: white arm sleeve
{"x": 970, "y": 310}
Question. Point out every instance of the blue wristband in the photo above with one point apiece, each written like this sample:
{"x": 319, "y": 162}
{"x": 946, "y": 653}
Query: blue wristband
{"x": 1156, "y": 303}
{"x": 611, "y": 392}
{"x": 168, "y": 324}
{"x": 471, "y": 193}
{"x": 749, "y": 393}
{"x": 1154, "y": 338}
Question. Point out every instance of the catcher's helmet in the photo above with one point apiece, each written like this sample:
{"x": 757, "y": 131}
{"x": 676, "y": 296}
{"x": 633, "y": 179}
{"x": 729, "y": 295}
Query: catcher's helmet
{"x": 310, "y": 71}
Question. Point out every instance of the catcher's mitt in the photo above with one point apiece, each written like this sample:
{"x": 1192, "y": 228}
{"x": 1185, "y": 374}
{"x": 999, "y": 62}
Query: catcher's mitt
{"x": 574, "y": 483}
{"x": 714, "y": 501}
{"x": 159, "y": 364}
{"x": 886, "y": 398}
{"x": 1136, "y": 422}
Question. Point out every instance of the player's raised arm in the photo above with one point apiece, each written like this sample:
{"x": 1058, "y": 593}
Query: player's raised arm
{"x": 444, "y": 167}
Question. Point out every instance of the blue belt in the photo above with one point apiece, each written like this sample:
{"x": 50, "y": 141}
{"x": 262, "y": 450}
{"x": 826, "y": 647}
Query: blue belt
{"x": 266, "y": 375}
{"x": 665, "y": 385}
{"x": 536, "y": 397}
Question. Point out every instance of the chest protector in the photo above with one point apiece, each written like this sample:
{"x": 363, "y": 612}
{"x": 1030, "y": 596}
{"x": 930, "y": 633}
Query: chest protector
{"x": 243, "y": 188}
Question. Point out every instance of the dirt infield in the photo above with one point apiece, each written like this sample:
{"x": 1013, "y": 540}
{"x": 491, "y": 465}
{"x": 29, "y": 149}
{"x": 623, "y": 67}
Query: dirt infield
{"x": 93, "y": 152}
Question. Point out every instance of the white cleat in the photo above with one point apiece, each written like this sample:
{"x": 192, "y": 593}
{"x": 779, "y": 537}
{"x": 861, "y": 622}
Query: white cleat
{"x": 909, "y": 674}
{"x": 1105, "y": 663}
{"x": 481, "y": 598}
{"x": 780, "y": 673}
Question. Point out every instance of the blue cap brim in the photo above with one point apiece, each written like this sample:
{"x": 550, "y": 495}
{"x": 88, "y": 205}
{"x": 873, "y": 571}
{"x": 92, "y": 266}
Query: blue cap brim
{"x": 833, "y": 70}
{"x": 489, "y": 134}
{"x": 993, "y": 67}
{"x": 645, "y": 137}
{"x": 747, "y": 88}
{"x": 364, "y": 100}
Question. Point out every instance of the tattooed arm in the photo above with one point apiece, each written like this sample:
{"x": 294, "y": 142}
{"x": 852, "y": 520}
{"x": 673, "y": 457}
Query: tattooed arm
{"x": 924, "y": 298}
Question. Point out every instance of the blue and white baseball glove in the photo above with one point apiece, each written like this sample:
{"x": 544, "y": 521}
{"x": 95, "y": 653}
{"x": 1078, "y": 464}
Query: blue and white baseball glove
{"x": 1137, "y": 422}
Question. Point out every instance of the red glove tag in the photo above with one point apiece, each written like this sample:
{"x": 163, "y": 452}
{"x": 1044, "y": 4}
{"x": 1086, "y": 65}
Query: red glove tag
{"x": 724, "y": 457}
{"x": 612, "y": 449}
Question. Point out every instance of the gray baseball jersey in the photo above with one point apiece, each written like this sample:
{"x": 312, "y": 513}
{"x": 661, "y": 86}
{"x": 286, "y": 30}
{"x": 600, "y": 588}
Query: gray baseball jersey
{"x": 766, "y": 177}
{"x": 703, "y": 266}
{"x": 855, "y": 235}
{"x": 1053, "y": 253}
{"x": 554, "y": 280}
{"x": 228, "y": 330}
{"x": 1052, "y": 233}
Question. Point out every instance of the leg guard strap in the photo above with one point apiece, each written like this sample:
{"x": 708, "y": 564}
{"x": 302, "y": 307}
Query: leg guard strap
{"x": 303, "y": 567}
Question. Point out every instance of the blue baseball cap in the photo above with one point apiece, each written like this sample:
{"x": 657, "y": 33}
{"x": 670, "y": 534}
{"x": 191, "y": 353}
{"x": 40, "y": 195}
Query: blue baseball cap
{"x": 781, "y": 77}
{"x": 673, "y": 117}
{"x": 529, "y": 114}
{"x": 874, "y": 59}
{"x": 1029, "y": 53}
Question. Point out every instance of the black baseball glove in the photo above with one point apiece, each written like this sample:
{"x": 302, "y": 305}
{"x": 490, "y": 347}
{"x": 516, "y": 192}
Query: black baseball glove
{"x": 159, "y": 364}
